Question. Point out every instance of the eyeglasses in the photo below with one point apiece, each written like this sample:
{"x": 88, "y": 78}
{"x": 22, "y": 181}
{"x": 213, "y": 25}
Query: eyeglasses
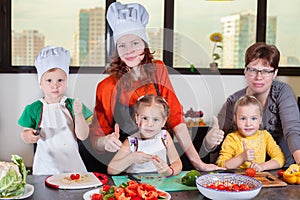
{"x": 254, "y": 72}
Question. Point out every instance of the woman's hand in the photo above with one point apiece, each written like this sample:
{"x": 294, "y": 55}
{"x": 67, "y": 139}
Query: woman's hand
{"x": 112, "y": 142}
{"x": 215, "y": 136}
{"x": 257, "y": 167}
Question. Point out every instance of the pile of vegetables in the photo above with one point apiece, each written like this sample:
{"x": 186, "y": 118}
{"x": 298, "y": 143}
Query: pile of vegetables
{"x": 12, "y": 177}
{"x": 131, "y": 190}
{"x": 292, "y": 174}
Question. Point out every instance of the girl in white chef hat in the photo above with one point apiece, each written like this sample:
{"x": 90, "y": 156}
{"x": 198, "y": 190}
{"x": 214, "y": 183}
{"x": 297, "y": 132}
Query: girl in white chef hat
{"x": 55, "y": 122}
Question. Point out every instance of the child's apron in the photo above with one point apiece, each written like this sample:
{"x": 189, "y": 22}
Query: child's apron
{"x": 57, "y": 149}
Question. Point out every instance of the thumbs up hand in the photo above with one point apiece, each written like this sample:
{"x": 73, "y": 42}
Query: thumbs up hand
{"x": 113, "y": 143}
{"x": 215, "y": 136}
{"x": 248, "y": 154}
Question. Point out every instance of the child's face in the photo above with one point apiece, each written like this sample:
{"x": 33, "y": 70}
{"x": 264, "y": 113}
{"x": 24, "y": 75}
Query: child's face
{"x": 54, "y": 85}
{"x": 130, "y": 49}
{"x": 150, "y": 120}
{"x": 248, "y": 119}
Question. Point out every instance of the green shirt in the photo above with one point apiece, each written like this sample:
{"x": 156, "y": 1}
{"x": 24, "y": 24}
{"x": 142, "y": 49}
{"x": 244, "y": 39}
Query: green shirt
{"x": 31, "y": 116}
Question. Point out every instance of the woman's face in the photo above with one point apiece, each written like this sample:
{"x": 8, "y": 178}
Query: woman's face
{"x": 259, "y": 77}
{"x": 131, "y": 49}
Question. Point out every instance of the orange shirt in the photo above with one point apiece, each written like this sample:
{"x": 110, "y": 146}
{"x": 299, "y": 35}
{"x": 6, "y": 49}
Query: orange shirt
{"x": 106, "y": 96}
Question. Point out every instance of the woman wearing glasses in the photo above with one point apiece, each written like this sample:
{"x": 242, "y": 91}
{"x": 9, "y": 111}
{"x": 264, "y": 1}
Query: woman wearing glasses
{"x": 281, "y": 115}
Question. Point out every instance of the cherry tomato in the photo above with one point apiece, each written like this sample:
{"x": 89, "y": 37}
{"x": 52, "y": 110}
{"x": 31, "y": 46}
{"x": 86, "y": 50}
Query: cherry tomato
{"x": 75, "y": 176}
{"x": 280, "y": 173}
{"x": 250, "y": 172}
{"x": 221, "y": 187}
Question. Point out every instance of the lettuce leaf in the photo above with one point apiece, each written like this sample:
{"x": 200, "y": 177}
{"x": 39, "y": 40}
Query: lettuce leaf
{"x": 13, "y": 182}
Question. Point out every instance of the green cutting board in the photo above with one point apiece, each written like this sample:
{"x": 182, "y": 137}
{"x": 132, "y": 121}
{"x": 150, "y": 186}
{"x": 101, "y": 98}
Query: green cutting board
{"x": 160, "y": 182}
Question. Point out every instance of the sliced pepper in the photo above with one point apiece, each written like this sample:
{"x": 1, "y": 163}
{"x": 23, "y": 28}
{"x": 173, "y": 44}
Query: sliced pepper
{"x": 292, "y": 174}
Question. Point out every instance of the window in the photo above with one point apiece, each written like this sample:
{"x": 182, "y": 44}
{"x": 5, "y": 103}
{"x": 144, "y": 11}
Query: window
{"x": 283, "y": 30}
{"x": 196, "y": 20}
{"x": 80, "y": 26}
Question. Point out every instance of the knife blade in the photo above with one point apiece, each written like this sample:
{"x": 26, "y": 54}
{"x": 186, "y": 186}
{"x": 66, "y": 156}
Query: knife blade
{"x": 131, "y": 177}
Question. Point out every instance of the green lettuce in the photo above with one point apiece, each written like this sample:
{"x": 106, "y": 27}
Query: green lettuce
{"x": 12, "y": 177}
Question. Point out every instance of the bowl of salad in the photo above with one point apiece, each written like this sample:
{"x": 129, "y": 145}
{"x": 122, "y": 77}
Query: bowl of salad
{"x": 228, "y": 186}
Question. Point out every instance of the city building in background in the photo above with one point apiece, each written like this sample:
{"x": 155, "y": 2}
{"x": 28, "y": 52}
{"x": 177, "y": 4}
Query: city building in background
{"x": 89, "y": 39}
{"x": 26, "y": 46}
{"x": 239, "y": 32}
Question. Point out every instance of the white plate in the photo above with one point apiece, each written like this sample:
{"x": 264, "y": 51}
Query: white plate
{"x": 29, "y": 189}
{"x": 63, "y": 181}
{"x": 88, "y": 194}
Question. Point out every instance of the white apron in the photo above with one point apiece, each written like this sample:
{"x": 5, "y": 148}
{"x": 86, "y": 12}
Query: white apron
{"x": 155, "y": 146}
{"x": 57, "y": 149}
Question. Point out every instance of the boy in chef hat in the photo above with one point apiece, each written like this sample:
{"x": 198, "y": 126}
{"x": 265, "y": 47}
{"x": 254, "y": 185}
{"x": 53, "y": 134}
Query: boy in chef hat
{"x": 127, "y": 19}
{"x": 55, "y": 122}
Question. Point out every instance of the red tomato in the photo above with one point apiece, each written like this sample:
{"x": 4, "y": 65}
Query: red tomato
{"x": 75, "y": 176}
{"x": 280, "y": 173}
{"x": 235, "y": 188}
{"x": 244, "y": 187}
{"x": 221, "y": 187}
{"x": 250, "y": 172}
{"x": 97, "y": 196}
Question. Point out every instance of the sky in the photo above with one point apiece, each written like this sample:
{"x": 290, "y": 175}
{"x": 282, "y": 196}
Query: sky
{"x": 195, "y": 19}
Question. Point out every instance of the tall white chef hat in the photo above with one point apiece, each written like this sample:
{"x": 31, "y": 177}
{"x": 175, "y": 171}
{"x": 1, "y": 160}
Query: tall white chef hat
{"x": 127, "y": 19}
{"x": 52, "y": 57}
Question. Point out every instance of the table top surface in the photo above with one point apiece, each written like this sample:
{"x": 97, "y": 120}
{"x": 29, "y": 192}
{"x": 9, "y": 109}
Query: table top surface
{"x": 41, "y": 191}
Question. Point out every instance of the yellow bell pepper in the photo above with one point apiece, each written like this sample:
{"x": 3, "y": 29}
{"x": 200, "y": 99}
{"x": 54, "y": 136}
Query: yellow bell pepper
{"x": 292, "y": 174}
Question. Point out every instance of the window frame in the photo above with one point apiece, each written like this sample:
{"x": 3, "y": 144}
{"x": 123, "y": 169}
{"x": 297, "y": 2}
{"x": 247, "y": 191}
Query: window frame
{"x": 5, "y": 46}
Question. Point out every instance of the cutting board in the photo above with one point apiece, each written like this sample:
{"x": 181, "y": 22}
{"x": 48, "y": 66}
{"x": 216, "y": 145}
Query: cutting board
{"x": 160, "y": 182}
{"x": 268, "y": 180}
{"x": 63, "y": 181}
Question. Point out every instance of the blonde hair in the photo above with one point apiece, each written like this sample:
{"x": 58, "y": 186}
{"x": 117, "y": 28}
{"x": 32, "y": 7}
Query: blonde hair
{"x": 151, "y": 99}
{"x": 248, "y": 100}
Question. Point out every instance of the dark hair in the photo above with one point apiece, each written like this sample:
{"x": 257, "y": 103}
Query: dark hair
{"x": 247, "y": 100}
{"x": 120, "y": 69}
{"x": 151, "y": 99}
{"x": 269, "y": 54}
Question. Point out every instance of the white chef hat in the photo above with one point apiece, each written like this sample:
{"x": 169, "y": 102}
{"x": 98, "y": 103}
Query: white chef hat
{"x": 52, "y": 57}
{"x": 127, "y": 19}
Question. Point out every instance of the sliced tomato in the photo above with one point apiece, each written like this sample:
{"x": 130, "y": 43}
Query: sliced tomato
{"x": 221, "y": 187}
{"x": 136, "y": 198}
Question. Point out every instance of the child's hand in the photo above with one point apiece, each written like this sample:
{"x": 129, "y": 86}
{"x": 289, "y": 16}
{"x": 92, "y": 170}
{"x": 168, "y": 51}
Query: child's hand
{"x": 248, "y": 154}
{"x": 29, "y": 136}
{"x": 161, "y": 166}
{"x": 257, "y": 167}
{"x": 141, "y": 157}
{"x": 77, "y": 107}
